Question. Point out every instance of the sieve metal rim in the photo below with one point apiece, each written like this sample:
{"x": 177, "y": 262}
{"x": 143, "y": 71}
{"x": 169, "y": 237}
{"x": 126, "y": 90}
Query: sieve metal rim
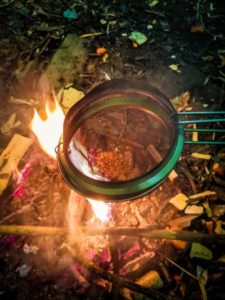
{"x": 118, "y": 191}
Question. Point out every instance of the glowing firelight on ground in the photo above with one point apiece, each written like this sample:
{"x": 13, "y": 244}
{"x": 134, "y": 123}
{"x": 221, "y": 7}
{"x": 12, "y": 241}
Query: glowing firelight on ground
{"x": 49, "y": 131}
{"x": 102, "y": 210}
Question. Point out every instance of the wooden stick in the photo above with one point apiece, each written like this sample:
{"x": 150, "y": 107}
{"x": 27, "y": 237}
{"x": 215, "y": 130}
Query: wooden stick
{"x": 140, "y": 232}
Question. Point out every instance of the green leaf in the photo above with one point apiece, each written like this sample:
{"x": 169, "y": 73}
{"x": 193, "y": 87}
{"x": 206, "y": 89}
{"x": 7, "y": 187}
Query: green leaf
{"x": 153, "y": 3}
{"x": 200, "y": 251}
{"x": 138, "y": 37}
{"x": 70, "y": 14}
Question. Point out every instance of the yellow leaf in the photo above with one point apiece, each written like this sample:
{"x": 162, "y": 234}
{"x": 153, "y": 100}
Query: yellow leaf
{"x": 175, "y": 68}
{"x": 179, "y": 201}
{"x": 68, "y": 97}
{"x": 9, "y": 125}
{"x": 180, "y": 102}
{"x": 219, "y": 229}
{"x": 194, "y": 210}
{"x": 12, "y": 155}
{"x": 202, "y": 195}
{"x": 201, "y": 156}
{"x": 105, "y": 57}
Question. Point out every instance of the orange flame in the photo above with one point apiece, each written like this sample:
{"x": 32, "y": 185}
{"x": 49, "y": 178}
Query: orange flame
{"x": 49, "y": 131}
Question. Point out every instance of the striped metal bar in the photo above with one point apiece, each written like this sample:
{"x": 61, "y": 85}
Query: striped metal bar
{"x": 193, "y": 113}
{"x": 203, "y": 129}
{"x": 186, "y": 122}
{"x": 204, "y": 142}
{"x": 209, "y": 120}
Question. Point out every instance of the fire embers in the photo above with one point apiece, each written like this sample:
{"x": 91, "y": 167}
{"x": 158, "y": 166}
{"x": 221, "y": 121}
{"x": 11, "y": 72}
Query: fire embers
{"x": 122, "y": 143}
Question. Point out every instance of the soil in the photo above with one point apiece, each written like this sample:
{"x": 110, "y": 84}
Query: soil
{"x": 184, "y": 52}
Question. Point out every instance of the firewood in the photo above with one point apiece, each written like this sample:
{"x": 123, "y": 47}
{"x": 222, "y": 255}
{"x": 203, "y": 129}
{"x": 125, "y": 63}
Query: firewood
{"x": 11, "y": 157}
{"x": 120, "y": 231}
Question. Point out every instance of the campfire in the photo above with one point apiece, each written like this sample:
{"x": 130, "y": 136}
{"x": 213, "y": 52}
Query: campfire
{"x": 105, "y": 248}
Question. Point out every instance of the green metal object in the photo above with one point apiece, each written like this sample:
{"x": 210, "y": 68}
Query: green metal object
{"x": 145, "y": 97}
{"x": 209, "y": 120}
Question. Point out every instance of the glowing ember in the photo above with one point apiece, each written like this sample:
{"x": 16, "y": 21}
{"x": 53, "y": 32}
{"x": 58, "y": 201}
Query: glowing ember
{"x": 49, "y": 131}
{"x": 102, "y": 210}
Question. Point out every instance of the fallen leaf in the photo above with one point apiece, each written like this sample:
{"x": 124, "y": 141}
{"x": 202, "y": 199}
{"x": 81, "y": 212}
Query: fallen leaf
{"x": 70, "y": 14}
{"x": 194, "y": 210}
{"x": 181, "y": 222}
{"x": 105, "y": 57}
{"x": 208, "y": 58}
{"x": 209, "y": 226}
{"x": 85, "y": 35}
{"x": 103, "y": 21}
{"x": 222, "y": 259}
{"x": 180, "y": 245}
{"x": 181, "y": 102}
{"x": 175, "y": 68}
{"x": 218, "y": 210}
{"x": 23, "y": 270}
{"x": 153, "y": 3}
{"x": 202, "y": 275}
{"x": 10, "y": 124}
{"x": 219, "y": 229}
{"x": 219, "y": 165}
{"x": 197, "y": 28}
{"x": 202, "y": 195}
{"x": 11, "y": 157}
{"x": 200, "y": 251}
{"x": 222, "y": 64}
{"x": 179, "y": 201}
{"x": 201, "y": 156}
{"x": 68, "y": 96}
{"x": 101, "y": 51}
{"x": 150, "y": 280}
{"x": 138, "y": 37}
{"x": 207, "y": 209}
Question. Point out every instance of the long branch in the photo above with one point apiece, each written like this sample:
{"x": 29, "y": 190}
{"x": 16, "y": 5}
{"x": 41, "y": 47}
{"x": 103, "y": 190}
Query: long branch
{"x": 141, "y": 232}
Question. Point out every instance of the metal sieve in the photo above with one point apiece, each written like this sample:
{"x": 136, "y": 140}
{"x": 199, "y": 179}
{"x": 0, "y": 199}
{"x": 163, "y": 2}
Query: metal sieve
{"x": 123, "y": 139}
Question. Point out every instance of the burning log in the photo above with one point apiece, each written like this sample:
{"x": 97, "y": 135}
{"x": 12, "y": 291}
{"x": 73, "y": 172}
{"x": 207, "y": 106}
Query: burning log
{"x": 11, "y": 157}
{"x": 140, "y": 232}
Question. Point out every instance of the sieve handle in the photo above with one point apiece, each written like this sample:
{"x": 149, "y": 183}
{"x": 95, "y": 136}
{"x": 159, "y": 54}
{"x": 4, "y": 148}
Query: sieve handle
{"x": 202, "y": 121}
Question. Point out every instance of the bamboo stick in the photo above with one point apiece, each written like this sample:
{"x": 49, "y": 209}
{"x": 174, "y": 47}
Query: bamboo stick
{"x": 140, "y": 232}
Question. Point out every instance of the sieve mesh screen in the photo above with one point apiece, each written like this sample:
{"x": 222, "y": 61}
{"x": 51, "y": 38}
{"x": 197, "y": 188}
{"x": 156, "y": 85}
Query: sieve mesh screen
{"x": 120, "y": 143}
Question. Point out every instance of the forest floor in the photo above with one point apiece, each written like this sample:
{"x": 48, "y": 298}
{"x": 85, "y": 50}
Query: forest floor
{"x": 176, "y": 46}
